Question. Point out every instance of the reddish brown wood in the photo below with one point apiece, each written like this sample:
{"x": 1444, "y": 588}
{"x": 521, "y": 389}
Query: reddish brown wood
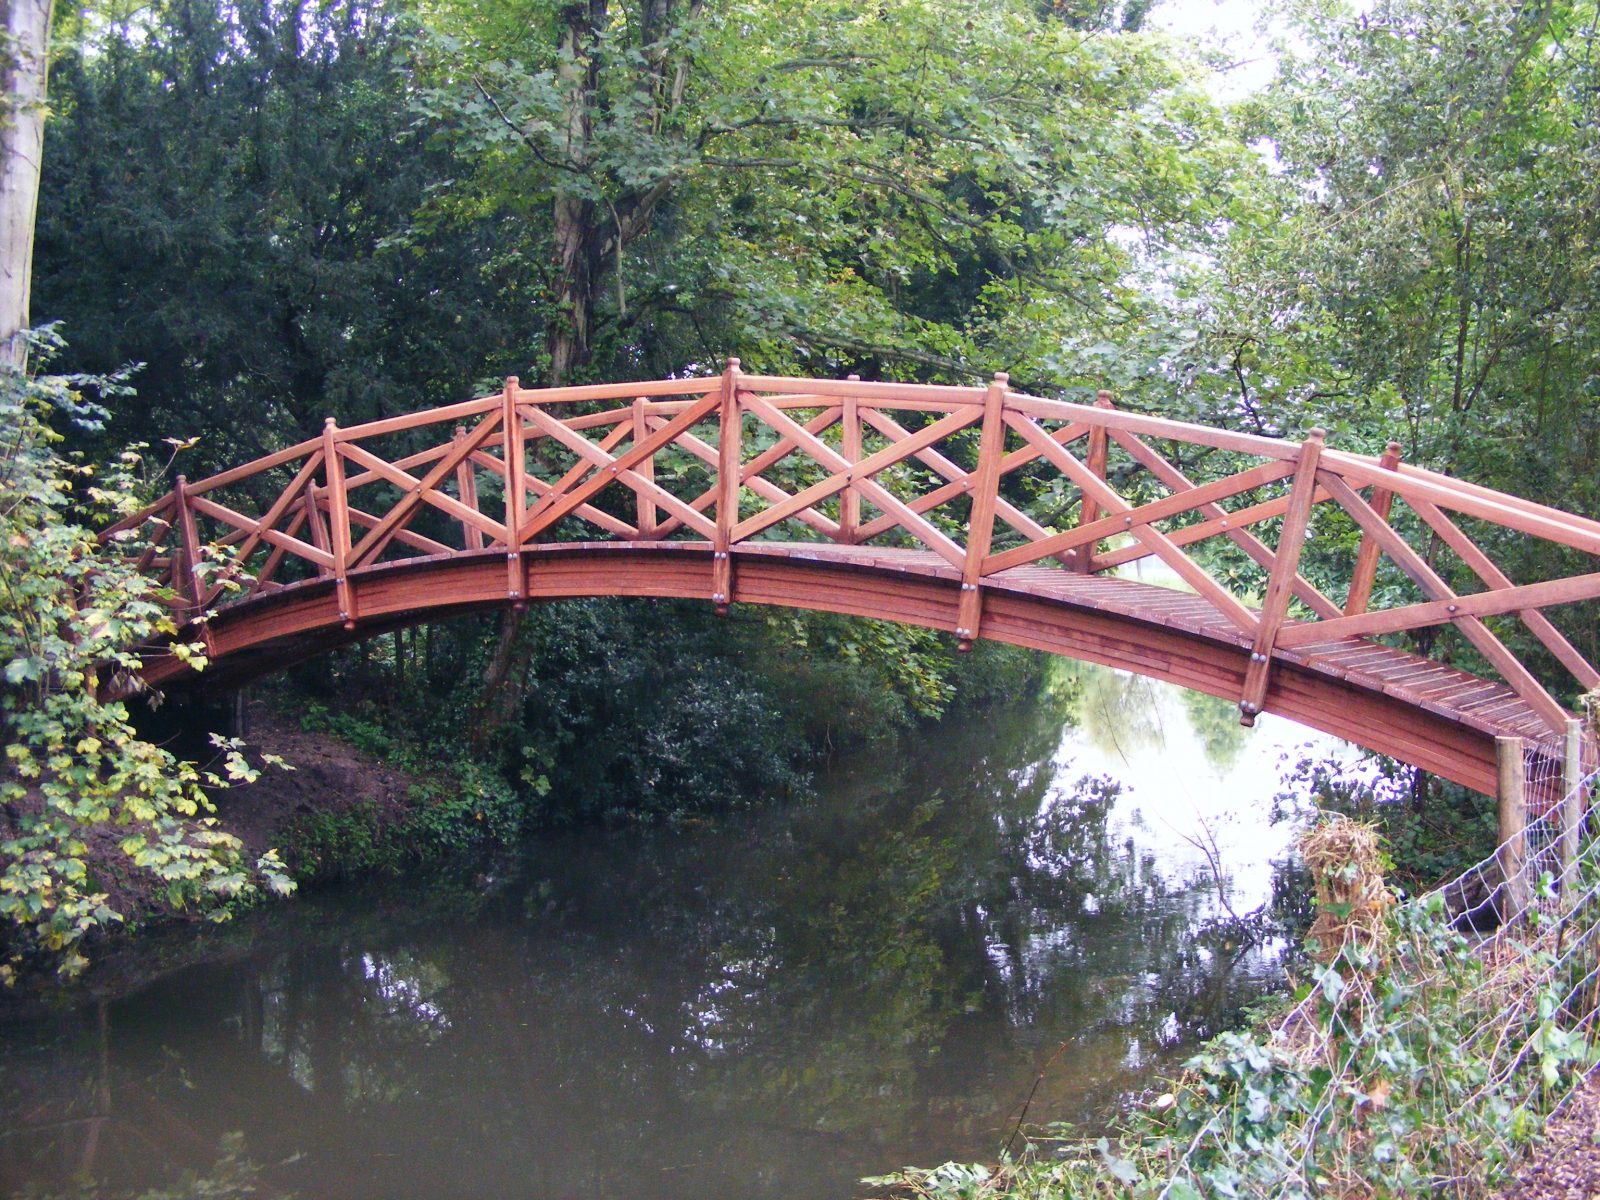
{"x": 515, "y": 455}
{"x": 850, "y": 441}
{"x": 1233, "y": 526}
{"x": 1365, "y": 572}
{"x": 644, "y": 507}
{"x": 1285, "y": 566}
{"x": 959, "y": 585}
{"x": 1472, "y": 627}
{"x": 980, "y": 525}
{"x": 1088, "y": 510}
{"x": 730, "y": 450}
{"x": 467, "y": 492}
{"x": 425, "y": 491}
{"x": 338, "y": 520}
{"x": 1481, "y": 565}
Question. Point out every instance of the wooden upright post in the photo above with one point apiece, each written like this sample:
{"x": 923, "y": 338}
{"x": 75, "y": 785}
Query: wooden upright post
{"x": 644, "y": 506}
{"x": 1571, "y": 802}
{"x": 985, "y": 496}
{"x": 729, "y": 453}
{"x": 338, "y": 521}
{"x": 1088, "y": 507}
{"x": 516, "y": 493}
{"x": 1511, "y": 810}
{"x": 189, "y": 540}
{"x": 850, "y": 499}
{"x": 467, "y": 489}
{"x": 1366, "y": 568}
{"x": 1280, "y": 583}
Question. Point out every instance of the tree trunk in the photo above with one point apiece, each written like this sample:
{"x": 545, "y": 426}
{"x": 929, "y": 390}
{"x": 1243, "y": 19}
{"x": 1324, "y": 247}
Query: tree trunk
{"x": 24, "y": 73}
{"x": 576, "y": 218}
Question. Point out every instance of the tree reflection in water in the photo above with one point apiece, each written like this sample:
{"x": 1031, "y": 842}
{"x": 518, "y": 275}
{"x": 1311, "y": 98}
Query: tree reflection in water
{"x": 770, "y": 1007}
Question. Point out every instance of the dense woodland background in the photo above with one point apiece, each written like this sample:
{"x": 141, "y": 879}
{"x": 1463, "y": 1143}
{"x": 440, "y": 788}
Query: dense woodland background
{"x": 255, "y": 215}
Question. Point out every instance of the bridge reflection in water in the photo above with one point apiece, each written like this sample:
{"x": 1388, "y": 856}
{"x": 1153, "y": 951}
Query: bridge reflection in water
{"x": 982, "y": 511}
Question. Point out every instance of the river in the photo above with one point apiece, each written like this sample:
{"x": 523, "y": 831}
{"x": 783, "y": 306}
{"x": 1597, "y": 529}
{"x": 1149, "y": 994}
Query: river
{"x": 1016, "y": 902}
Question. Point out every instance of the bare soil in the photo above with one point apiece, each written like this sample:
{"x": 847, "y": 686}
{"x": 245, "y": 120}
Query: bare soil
{"x": 1567, "y": 1165}
{"x": 329, "y": 776}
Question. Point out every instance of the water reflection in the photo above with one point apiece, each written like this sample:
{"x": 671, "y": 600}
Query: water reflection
{"x": 770, "y": 1007}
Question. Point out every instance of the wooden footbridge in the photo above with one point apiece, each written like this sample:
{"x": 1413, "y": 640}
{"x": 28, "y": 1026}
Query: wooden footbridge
{"x": 981, "y": 511}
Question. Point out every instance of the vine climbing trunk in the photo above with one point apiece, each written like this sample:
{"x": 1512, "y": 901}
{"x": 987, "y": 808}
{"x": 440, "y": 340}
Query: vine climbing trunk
{"x": 24, "y": 66}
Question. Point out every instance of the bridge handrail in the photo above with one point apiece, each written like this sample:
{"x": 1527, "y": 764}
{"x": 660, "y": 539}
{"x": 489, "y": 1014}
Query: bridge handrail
{"x": 587, "y": 456}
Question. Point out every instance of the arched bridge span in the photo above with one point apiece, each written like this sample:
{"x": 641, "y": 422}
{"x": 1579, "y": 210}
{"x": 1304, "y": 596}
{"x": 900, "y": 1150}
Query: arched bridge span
{"x": 982, "y": 511}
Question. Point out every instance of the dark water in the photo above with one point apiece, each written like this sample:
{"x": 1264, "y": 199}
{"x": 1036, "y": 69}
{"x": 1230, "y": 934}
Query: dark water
{"x": 772, "y": 1006}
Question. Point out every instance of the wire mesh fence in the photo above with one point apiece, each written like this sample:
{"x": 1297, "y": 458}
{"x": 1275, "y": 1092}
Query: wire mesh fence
{"x": 1436, "y": 1037}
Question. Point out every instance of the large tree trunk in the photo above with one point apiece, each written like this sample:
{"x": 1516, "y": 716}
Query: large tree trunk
{"x": 578, "y": 267}
{"x": 23, "y": 74}
{"x": 577, "y": 219}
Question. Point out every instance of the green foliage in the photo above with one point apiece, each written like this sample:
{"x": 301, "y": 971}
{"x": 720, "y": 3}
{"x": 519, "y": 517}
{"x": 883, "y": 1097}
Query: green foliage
{"x": 457, "y": 805}
{"x": 1421, "y": 1060}
{"x": 72, "y": 613}
{"x": 1433, "y": 829}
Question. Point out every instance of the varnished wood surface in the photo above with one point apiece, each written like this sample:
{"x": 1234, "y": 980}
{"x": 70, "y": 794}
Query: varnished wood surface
{"x": 981, "y": 511}
{"x": 1434, "y": 716}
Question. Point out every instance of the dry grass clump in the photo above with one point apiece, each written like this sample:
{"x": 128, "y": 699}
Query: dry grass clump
{"x": 1347, "y": 871}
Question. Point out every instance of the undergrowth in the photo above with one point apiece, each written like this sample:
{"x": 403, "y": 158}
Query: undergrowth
{"x": 1414, "y": 1060}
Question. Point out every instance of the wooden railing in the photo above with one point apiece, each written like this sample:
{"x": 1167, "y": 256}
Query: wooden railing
{"x": 988, "y": 479}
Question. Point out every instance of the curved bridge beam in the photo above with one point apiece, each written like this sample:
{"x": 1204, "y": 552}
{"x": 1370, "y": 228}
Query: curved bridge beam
{"x": 981, "y": 511}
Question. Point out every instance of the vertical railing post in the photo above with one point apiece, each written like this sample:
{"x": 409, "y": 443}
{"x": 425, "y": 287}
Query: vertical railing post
{"x": 729, "y": 453}
{"x": 467, "y": 488}
{"x": 850, "y": 447}
{"x": 516, "y": 493}
{"x": 1088, "y": 507}
{"x": 189, "y": 580}
{"x": 187, "y": 576}
{"x": 338, "y": 521}
{"x": 645, "y": 506}
{"x": 1280, "y": 582}
{"x": 1511, "y": 812}
{"x": 1571, "y": 802}
{"x": 980, "y": 524}
{"x": 1366, "y": 568}
{"x": 318, "y": 527}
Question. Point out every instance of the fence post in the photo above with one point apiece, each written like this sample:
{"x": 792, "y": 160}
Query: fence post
{"x": 1511, "y": 811}
{"x": 1571, "y": 802}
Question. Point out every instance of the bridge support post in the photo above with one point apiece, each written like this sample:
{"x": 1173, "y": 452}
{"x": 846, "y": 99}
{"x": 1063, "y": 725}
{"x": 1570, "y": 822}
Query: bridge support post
{"x": 730, "y": 437}
{"x": 644, "y": 506}
{"x": 1511, "y": 813}
{"x": 338, "y": 520}
{"x": 516, "y": 494}
{"x": 1280, "y": 583}
{"x": 850, "y": 446}
{"x": 1088, "y": 508}
{"x": 980, "y": 524}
